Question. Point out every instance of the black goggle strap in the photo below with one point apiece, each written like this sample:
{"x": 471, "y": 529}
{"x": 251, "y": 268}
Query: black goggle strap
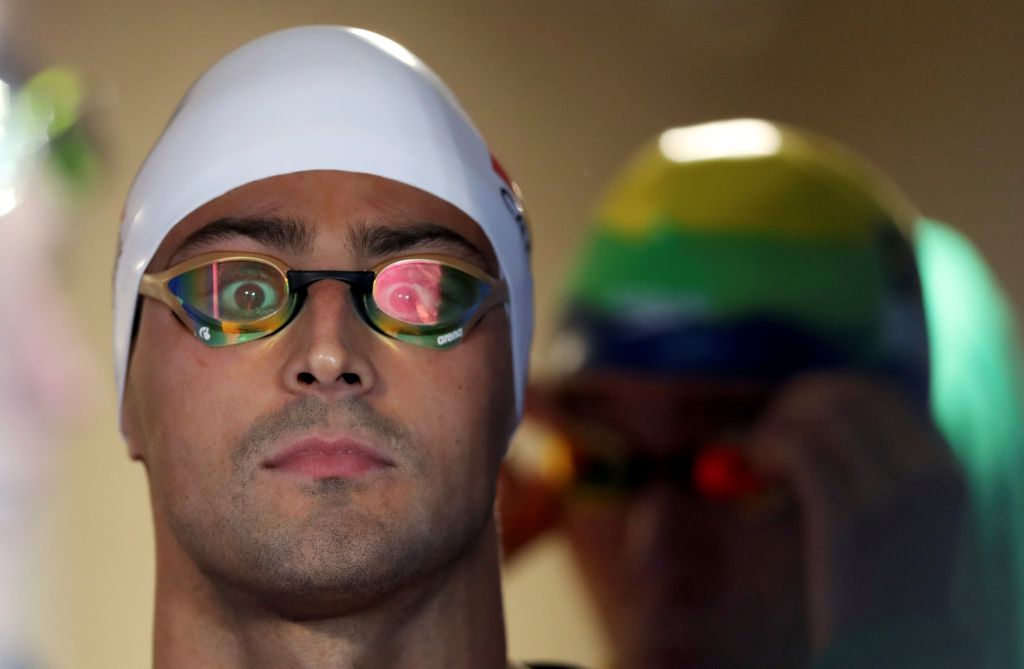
{"x": 360, "y": 283}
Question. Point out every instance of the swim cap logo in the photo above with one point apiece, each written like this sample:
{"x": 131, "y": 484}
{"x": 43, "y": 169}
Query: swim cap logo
{"x": 513, "y": 202}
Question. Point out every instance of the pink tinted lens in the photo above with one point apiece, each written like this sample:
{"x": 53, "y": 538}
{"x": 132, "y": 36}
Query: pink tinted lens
{"x": 410, "y": 291}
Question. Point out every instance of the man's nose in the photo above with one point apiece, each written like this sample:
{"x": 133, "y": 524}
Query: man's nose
{"x": 329, "y": 344}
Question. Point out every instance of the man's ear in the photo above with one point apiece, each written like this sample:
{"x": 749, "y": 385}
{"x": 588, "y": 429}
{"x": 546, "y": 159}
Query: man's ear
{"x": 130, "y": 423}
{"x": 130, "y": 410}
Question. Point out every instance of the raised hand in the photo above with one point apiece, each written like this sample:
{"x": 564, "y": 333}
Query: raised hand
{"x": 881, "y": 496}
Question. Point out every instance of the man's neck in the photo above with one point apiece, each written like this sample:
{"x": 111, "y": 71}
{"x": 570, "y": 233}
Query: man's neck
{"x": 452, "y": 619}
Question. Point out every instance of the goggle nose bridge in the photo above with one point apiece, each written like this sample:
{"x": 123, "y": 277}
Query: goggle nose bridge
{"x": 360, "y": 281}
{"x": 360, "y": 284}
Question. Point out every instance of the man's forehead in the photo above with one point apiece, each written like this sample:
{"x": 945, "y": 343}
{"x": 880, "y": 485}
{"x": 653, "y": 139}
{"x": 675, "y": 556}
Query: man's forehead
{"x": 301, "y": 212}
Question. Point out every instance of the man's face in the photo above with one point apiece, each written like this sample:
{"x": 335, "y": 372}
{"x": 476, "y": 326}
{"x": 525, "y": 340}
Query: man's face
{"x": 217, "y": 428}
{"x": 681, "y": 580}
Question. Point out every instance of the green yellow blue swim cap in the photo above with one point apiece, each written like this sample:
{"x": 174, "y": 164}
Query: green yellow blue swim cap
{"x": 746, "y": 248}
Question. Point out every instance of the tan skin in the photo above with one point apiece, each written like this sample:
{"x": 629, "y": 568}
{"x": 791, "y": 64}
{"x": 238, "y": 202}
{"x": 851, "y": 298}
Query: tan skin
{"x": 859, "y": 526}
{"x": 258, "y": 569}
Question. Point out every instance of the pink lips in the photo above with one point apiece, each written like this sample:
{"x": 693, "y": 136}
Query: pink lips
{"x": 321, "y": 458}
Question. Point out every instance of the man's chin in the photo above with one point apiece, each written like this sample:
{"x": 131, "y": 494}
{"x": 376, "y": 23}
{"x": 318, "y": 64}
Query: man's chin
{"x": 312, "y": 604}
{"x": 323, "y": 583}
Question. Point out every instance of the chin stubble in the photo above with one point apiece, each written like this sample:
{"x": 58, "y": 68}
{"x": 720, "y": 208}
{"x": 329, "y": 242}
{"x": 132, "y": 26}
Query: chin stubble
{"x": 317, "y": 563}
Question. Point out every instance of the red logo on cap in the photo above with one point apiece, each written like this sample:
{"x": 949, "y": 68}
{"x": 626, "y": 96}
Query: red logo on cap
{"x": 500, "y": 171}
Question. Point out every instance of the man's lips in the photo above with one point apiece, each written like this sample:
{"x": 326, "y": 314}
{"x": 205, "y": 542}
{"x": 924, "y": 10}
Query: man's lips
{"x": 328, "y": 458}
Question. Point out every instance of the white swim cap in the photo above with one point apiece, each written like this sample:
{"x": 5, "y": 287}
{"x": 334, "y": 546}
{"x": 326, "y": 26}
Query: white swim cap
{"x": 321, "y": 98}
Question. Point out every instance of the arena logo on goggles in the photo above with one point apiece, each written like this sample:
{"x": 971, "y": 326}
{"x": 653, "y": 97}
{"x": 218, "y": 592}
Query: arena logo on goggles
{"x": 446, "y": 339}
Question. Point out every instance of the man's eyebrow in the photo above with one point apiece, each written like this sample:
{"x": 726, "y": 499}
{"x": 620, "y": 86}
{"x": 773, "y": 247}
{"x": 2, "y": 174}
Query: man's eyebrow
{"x": 384, "y": 240}
{"x": 280, "y": 233}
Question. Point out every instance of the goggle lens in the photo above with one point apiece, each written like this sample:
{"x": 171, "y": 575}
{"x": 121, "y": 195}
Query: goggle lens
{"x": 240, "y": 291}
{"x": 422, "y": 300}
{"x": 233, "y": 301}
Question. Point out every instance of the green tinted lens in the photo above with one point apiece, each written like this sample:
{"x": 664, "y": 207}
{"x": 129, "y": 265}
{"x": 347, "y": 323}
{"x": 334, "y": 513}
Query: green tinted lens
{"x": 232, "y": 301}
{"x": 424, "y": 301}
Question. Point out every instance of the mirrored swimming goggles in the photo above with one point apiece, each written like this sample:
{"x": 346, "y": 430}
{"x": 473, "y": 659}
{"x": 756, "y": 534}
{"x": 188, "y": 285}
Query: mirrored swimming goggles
{"x": 232, "y": 297}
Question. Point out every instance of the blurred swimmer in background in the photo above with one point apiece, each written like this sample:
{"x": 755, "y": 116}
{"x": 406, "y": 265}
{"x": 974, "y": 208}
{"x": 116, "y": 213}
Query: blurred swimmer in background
{"x": 783, "y": 428}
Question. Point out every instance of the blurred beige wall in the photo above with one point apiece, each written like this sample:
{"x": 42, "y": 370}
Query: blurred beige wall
{"x": 932, "y": 91}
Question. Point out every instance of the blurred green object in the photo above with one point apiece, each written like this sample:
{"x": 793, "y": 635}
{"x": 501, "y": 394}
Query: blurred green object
{"x": 978, "y": 402}
{"x": 51, "y": 100}
{"x": 44, "y": 118}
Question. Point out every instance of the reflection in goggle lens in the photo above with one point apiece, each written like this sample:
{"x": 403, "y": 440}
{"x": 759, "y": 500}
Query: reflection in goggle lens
{"x": 239, "y": 291}
{"x": 426, "y": 301}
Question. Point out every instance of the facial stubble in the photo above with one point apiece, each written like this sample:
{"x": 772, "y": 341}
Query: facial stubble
{"x": 341, "y": 553}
